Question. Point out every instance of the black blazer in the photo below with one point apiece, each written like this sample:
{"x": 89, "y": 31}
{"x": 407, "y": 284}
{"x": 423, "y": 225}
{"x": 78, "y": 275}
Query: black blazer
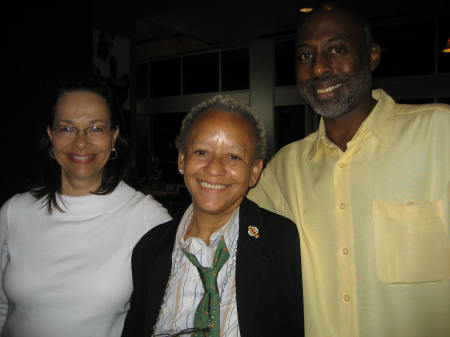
{"x": 268, "y": 276}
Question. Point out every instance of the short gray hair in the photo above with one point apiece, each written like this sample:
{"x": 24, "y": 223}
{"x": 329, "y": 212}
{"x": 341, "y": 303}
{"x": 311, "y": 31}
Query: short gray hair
{"x": 228, "y": 104}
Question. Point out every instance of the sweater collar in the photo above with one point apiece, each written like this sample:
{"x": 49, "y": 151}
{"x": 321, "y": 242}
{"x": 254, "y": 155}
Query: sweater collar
{"x": 94, "y": 204}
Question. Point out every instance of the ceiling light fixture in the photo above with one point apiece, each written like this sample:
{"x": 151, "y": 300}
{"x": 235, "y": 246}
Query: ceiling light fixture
{"x": 447, "y": 47}
{"x": 305, "y": 10}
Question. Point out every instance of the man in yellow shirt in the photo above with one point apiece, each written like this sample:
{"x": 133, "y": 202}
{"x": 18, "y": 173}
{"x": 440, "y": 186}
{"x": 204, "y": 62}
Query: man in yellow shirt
{"x": 369, "y": 192}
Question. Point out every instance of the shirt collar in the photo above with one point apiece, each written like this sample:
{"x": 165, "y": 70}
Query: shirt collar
{"x": 381, "y": 120}
{"x": 229, "y": 232}
{"x": 380, "y": 123}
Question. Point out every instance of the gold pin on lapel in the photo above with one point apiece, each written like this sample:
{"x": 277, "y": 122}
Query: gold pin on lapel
{"x": 253, "y": 231}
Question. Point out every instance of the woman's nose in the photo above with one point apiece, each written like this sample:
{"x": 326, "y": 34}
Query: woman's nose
{"x": 215, "y": 166}
{"x": 81, "y": 139}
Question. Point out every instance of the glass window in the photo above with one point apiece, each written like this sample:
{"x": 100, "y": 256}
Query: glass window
{"x": 285, "y": 63}
{"x": 406, "y": 49}
{"x": 164, "y": 128}
{"x": 201, "y": 73}
{"x": 163, "y": 154}
{"x": 141, "y": 81}
{"x": 235, "y": 69}
{"x": 142, "y": 145}
{"x": 293, "y": 122}
{"x": 444, "y": 35}
{"x": 165, "y": 77}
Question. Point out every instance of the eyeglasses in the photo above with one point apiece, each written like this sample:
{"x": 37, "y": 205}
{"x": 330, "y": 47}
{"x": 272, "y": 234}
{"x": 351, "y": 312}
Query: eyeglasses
{"x": 183, "y": 332}
{"x": 70, "y": 132}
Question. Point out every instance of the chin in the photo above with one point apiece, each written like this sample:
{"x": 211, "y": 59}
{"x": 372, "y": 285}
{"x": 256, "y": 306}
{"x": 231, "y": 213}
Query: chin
{"x": 208, "y": 208}
{"x": 331, "y": 114}
{"x": 213, "y": 208}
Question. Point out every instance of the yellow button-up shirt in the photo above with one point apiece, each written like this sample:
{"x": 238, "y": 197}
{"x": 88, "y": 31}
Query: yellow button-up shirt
{"x": 373, "y": 222}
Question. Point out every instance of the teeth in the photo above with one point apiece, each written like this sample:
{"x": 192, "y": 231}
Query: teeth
{"x": 80, "y": 157}
{"x": 323, "y": 91}
{"x": 213, "y": 186}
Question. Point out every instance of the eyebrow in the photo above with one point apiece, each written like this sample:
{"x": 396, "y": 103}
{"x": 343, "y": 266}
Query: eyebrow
{"x": 330, "y": 40}
{"x": 229, "y": 148}
{"x": 67, "y": 121}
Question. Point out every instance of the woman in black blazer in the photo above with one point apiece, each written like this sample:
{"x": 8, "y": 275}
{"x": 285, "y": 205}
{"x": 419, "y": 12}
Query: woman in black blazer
{"x": 254, "y": 253}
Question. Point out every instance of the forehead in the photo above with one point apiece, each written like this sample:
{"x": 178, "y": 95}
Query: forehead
{"x": 79, "y": 104}
{"x": 218, "y": 122}
{"x": 325, "y": 25}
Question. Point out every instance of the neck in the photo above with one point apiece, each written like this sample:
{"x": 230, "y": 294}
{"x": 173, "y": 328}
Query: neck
{"x": 202, "y": 225}
{"x": 342, "y": 129}
{"x": 79, "y": 187}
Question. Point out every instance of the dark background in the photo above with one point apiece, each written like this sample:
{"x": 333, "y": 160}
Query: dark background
{"x": 52, "y": 42}
{"x": 45, "y": 47}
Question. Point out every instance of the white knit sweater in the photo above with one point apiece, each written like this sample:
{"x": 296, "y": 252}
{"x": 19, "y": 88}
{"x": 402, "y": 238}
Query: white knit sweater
{"x": 68, "y": 274}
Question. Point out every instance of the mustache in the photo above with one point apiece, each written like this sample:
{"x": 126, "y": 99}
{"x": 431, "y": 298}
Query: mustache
{"x": 327, "y": 78}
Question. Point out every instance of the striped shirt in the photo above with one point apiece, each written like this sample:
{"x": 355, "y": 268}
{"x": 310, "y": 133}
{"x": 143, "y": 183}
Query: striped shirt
{"x": 185, "y": 289}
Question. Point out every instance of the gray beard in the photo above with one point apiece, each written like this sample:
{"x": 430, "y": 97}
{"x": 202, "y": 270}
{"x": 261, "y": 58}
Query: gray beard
{"x": 358, "y": 86}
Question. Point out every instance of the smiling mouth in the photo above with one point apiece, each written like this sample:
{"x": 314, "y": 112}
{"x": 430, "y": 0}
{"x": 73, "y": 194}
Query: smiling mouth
{"x": 212, "y": 186}
{"x": 329, "y": 89}
{"x": 79, "y": 158}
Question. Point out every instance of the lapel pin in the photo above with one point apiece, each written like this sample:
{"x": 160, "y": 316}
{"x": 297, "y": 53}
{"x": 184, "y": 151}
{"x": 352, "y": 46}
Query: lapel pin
{"x": 253, "y": 231}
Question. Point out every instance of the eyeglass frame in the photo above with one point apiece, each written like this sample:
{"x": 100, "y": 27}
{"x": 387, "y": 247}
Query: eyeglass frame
{"x": 76, "y": 131}
{"x": 183, "y": 332}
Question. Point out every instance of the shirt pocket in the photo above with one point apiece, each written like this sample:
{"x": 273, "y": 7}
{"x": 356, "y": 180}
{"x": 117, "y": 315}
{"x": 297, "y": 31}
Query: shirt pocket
{"x": 411, "y": 242}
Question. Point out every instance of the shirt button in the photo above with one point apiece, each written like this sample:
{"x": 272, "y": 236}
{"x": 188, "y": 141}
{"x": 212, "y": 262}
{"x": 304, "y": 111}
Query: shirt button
{"x": 341, "y": 165}
{"x": 345, "y": 251}
{"x": 342, "y": 205}
{"x": 346, "y": 298}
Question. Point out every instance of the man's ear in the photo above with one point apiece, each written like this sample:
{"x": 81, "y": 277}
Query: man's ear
{"x": 375, "y": 55}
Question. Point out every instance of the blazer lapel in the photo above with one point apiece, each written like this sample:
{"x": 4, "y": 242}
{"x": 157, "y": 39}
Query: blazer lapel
{"x": 251, "y": 264}
{"x": 159, "y": 272}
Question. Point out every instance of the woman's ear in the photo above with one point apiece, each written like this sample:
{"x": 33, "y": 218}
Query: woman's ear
{"x": 180, "y": 162}
{"x": 255, "y": 171}
{"x": 115, "y": 135}
{"x": 49, "y": 132}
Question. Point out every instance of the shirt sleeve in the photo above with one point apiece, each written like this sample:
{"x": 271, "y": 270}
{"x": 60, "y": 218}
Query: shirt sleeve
{"x": 3, "y": 261}
{"x": 268, "y": 192}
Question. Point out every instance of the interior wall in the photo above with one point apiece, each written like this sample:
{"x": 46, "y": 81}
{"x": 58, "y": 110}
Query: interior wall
{"x": 262, "y": 80}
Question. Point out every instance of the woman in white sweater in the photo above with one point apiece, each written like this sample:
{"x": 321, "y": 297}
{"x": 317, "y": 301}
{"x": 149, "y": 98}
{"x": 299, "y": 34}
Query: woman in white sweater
{"x": 66, "y": 246}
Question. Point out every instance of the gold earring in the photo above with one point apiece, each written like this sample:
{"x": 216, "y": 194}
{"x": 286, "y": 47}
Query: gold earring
{"x": 113, "y": 154}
